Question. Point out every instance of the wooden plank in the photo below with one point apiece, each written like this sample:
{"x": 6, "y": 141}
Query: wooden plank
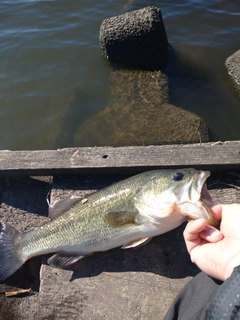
{"x": 104, "y": 160}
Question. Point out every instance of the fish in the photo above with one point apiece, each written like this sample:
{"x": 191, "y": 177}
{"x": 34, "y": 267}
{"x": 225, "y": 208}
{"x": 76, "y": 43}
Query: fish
{"x": 126, "y": 214}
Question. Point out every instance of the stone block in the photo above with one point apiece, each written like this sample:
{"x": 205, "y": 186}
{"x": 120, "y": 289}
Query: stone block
{"x": 137, "y": 37}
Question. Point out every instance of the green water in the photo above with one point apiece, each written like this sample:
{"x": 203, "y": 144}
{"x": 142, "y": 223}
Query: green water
{"x": 53, "y": 76}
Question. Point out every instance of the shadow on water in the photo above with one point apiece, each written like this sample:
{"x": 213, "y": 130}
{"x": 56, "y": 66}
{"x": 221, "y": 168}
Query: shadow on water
{"x": 185, "y": 77}
{"x": 82, "y": 106}
{"x": 190, "y": 79}
{"x": 69, "y": 117}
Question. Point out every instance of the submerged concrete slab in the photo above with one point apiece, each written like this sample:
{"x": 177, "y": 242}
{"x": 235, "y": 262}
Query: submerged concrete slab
{"x": 138, "y": 114}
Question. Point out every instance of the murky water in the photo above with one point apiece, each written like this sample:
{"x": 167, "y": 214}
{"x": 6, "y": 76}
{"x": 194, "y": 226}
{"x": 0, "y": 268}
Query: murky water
{"x": 53, "y": 76}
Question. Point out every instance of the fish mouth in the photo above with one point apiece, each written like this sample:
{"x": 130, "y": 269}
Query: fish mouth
{"x": 197, "y": 197}
{"x": 201, "y": 187}
{"x": 206, "y": 201}
{"x": 204, "y": 196}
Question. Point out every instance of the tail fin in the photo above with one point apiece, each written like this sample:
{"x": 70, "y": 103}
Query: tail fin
{"x": 10, "y": 258}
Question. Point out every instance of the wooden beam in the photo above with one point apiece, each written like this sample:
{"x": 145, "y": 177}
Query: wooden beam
{"x": 104, "y": 160}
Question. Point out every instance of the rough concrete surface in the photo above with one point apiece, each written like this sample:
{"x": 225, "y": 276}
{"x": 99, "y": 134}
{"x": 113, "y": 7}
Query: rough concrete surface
{"x": 233, "y": 66}
{"x": 117, "y": 284}
{"x": 138, "y": 37}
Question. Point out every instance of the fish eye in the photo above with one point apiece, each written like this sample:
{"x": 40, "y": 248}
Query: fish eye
{"x": 178, "y": 176}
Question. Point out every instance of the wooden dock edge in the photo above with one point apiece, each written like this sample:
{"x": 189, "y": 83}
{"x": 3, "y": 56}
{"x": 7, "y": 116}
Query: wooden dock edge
{"x": 120, "y": 160}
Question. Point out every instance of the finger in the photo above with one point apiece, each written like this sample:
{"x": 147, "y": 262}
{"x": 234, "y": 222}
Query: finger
{"x": 217, "y": 212}
{"x": 193, "y": 228}
{"x": 211, "y": 234}
{"x": 192, "y": 233}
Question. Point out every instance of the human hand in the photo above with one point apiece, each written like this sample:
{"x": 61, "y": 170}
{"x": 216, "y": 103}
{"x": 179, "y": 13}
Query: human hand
{"x": 216, "y": 252}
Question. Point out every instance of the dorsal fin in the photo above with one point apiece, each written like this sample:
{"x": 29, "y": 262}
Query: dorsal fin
{"x": 59, "y": 207}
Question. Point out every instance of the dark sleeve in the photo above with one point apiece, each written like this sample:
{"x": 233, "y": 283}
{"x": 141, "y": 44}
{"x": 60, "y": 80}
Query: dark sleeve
{"x": 225, "y": 304}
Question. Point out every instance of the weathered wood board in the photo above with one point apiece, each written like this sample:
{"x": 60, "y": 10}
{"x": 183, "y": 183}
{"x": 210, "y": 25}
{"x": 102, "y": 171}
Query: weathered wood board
{"x": 118, "y": 284}
{"x": 123, "y": 160}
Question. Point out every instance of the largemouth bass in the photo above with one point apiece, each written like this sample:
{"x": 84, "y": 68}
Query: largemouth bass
{"x": 127, "y": 214}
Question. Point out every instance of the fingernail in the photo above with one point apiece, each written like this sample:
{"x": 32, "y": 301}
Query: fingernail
{"x": 211, "y": 232}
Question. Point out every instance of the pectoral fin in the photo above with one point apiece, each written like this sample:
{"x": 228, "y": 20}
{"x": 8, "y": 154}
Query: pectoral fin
{"x": 119, "y": 219}
{"x": 63, "y": 259}
{"x": 136, "y": 243}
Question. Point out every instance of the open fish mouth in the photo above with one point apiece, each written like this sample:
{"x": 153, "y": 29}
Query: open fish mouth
{"x": 205, "y": 196}
{"x": 195, "y": 197}
{"x": 207, "y": 201}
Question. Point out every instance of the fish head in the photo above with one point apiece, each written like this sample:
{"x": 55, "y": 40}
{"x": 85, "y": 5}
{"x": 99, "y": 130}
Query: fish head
{"x": 174, "y": 196}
